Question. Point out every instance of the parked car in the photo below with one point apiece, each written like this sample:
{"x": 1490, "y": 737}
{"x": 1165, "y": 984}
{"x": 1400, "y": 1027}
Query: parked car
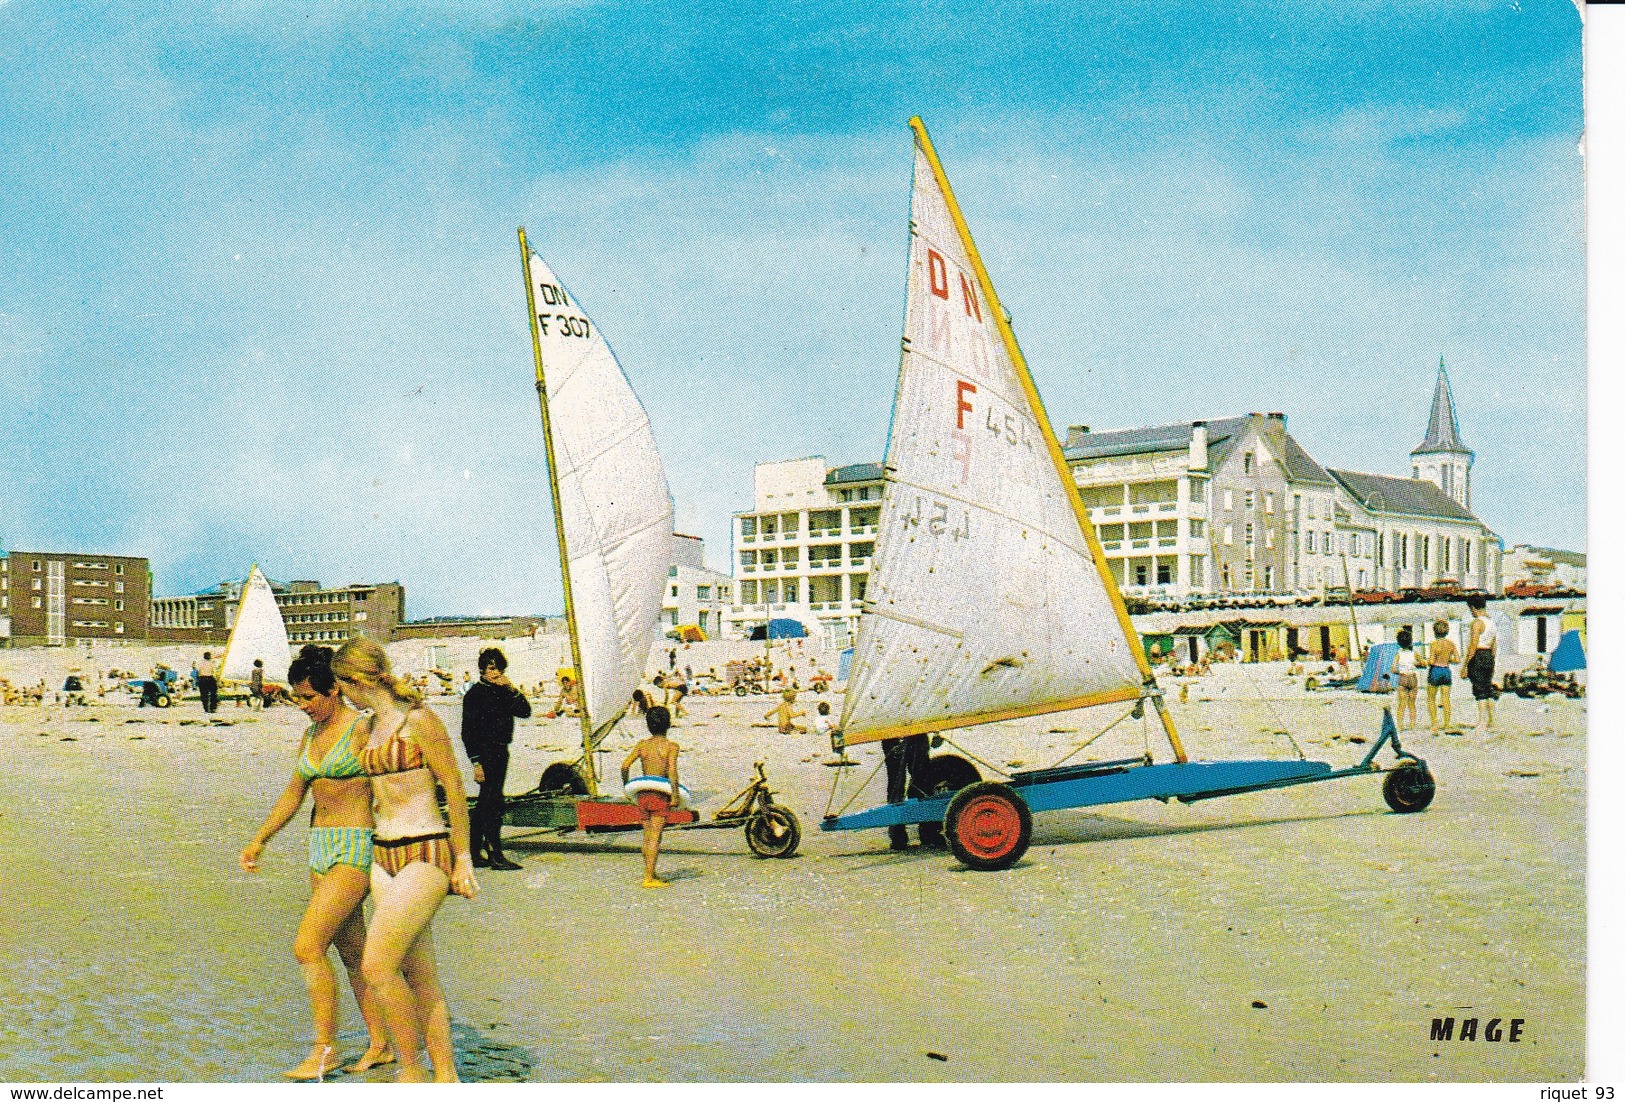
{"x": 1527, "y": 589}
{"x": 1374, "y": 597}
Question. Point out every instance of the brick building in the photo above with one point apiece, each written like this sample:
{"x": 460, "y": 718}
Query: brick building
{"x": 61, "y": 598}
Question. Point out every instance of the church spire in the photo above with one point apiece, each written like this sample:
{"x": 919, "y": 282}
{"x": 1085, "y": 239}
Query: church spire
{"x": 1443, "y": 435}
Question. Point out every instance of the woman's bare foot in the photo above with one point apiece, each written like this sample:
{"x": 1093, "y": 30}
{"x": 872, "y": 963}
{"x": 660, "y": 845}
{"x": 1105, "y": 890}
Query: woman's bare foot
{"x": 321, "y": 1061}
{"x": 377, "y": 1055}
{"x": 413, "y": 1072}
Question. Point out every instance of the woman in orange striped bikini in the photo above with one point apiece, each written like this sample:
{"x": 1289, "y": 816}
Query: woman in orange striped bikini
{"x": 340, "y": 860}
{"x": 416, "y": 857}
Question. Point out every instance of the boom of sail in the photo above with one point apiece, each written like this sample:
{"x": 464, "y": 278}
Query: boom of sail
{"x": 989, "y": 598}
{"x": 611, "y": 503}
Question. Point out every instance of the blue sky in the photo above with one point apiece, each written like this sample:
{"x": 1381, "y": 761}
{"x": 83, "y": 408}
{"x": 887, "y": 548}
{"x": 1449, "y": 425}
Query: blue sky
{"x": 260, "y": 297}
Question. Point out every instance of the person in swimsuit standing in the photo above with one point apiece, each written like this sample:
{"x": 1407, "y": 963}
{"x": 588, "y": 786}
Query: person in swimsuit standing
{"x": 657, "y": 756}
{"x": 415, "y": 856}
{"x": 340, "y": 860}
{"x": 1441, "y": 656}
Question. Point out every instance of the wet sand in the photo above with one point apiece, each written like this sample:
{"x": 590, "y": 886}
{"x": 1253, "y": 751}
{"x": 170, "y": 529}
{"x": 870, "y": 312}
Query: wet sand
{"x": 1132, "y": 943}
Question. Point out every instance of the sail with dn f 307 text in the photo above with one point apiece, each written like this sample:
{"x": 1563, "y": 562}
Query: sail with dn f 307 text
{"x": 986, "y": 601}
{"x": 614, "y": 506}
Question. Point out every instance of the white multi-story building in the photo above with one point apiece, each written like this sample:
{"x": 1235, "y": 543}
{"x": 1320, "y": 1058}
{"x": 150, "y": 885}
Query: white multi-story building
{"x": 694, "y": 594}
{"x": 803, "y": 550}
{"x": 1544, "y": 566}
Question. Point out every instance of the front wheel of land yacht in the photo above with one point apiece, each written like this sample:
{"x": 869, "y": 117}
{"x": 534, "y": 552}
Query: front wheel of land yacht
{"x": 773, "y": 832}
{"x": 1408, "y": 788}
{"x": 989, "y": 826}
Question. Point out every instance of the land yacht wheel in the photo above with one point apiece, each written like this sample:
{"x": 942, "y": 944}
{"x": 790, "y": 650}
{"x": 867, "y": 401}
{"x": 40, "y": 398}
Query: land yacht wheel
{"x": 989, "y": 826}
{"x": 563, "y": 777}
{"x": 773, "y": 832}
{"x": 1409, "y": 788}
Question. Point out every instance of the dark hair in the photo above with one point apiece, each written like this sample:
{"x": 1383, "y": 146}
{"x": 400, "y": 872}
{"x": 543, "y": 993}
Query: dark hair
{"x": 1404, "y": 639}
{"x": 314, "y": 666}
{"x": 823, "y": 707}
{"x": 493, "y": 656}
{"x": 658, "y": 719}
{"x": 1476, "y": 603}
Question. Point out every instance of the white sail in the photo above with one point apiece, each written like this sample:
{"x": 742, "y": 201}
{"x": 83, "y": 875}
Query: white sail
{"x": 258, "y": 632}
{"x": 615, "y": 508}
{"x": 986, "y": 601}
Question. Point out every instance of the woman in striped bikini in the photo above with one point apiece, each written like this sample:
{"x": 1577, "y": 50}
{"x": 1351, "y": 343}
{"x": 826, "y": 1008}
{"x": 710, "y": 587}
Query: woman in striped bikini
{"x": 416, "y": 858}
{"x": 340, "y": 860}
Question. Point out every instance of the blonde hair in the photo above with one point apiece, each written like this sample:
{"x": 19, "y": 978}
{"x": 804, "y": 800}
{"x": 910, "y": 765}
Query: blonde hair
{"x": 362, "y": 660}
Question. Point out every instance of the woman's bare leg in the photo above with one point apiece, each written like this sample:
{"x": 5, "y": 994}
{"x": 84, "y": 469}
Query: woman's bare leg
{"x": 403, "y": 906}
{"x": 333, "y": 896}
{"x": 349, "y": 941}
{"x": 434, "y": 1018}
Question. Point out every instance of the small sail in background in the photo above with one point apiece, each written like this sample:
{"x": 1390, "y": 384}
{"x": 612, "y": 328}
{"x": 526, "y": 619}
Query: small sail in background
{"x": 613, "y": 503}
{"x": 986, "y": 601}
{"x": 258, "y": 632}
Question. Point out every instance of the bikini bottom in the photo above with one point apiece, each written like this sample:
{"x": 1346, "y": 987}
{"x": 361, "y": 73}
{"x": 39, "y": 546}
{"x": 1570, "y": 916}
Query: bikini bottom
{"x": 331, "y": 846}
{"x": 394, "y": 854}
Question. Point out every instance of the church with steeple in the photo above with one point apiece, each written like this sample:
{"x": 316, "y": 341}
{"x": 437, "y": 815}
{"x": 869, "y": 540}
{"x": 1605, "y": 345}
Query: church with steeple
{"x": 1441, "y": 458}
{"x": 1236, "y": 505}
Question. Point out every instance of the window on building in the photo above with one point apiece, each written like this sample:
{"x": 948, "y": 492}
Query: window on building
{"x": 37, "y": 583}
{"x": 1229, "y": 535}
{"x": 702, "y": 593}
{"x": 1247, "y": 463}
{"x": 1141, "y": 573}
{"x": 1444, "y": 552}
{"x": 1269, "y": 578}
{"x": 1269, "y": 502}
{"x": 1224, "y": 576}
{"x": 672, "y": 572}
{"x": 747, "y": 592}
{"x": 1165, "y": 572}
{"x": 1422, "y": 552}
{"x": 674, "y": 591}
{"x": 1196, "y": 571}
{"x": 1309, "y": 543}
{"x": 1466, "y": 554}
{"x": 1247, "y": 534}
{"x": 1229, "y": 501}
{"x": 860, "y": 586}
{"x": 1269, "y": 537}
{"x": 1309, "y": 508}
{"x": 703, "y": 625}
{"x": 36, "y": 602}
{"x": 1198, "y": 528}
{"x": 792, "y": 591}
{"x": 1247, "y": 501}
{"x": 1198, "y": 491}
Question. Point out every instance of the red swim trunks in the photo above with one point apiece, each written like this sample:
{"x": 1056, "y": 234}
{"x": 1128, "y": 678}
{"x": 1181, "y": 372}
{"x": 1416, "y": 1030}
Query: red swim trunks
{"x": 653, "y": 803}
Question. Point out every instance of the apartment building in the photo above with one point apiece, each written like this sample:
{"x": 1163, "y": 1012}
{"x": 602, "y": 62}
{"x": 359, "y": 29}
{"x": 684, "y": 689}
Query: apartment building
{"x": 695, "y": 594}
{"x": 802, "y": 551}
{"x": 63, "y": 598}
{"x": 313, "y": 613}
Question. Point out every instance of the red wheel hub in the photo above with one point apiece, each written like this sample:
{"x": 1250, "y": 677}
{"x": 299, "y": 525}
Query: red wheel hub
{"x": 989, "y": 826}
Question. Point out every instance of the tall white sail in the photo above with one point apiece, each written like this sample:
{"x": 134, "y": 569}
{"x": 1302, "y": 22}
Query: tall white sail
{"x": 614, "y": 507}
{"x": 986, "y": 600}
{"x": 258, "y": 632}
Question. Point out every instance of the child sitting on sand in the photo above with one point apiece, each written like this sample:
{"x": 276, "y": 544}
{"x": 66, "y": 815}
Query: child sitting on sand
{"x": 657, "y": 756}
{"x": 785, "y": 714}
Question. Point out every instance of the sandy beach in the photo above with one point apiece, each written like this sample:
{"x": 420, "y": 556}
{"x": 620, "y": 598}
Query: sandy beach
{"x": 1306, "y": 934}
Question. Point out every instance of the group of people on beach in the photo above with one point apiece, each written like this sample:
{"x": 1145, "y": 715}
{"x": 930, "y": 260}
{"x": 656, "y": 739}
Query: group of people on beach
{"x": 371, "y": 759}
{"x": 1477, "y": 666}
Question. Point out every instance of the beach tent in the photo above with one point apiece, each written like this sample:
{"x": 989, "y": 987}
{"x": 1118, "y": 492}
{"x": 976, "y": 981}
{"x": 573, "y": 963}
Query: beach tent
{"x": 1163, "y": 641}
{"x": 1377, "y": 676}
{"x": 686, "y": 633}
{"x": 1570, "y": 654}
{"x": 779, "y": 628}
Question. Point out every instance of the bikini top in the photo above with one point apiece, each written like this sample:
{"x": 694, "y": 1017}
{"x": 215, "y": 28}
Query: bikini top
{"x": 396, "y": 754}
{"x": 338, "y": 764}
{"x": 403, "y": 789}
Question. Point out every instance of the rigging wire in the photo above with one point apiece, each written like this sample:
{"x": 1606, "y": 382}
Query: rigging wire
{"x": 1282, "y": 727}
{"x": 979, "y": 761}
{"x": 1098, "y": 734}
{"x": 856, "y": 792}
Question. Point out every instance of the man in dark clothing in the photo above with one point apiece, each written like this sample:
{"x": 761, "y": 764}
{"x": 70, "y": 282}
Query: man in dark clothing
{"x": 908, "y": 770}
{"x": 489, "y": 708}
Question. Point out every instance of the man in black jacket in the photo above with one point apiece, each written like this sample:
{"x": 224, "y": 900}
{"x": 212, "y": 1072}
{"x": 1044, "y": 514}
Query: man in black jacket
{"x": 489, "y": 708}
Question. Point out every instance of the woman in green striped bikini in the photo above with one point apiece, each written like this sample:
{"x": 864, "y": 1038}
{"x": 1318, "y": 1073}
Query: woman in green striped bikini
{"x": 340, "y": 859}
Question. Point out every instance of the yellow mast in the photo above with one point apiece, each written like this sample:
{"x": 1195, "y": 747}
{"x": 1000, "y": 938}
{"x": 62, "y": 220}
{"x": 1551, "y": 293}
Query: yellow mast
{"x": 589, "y": 767}
{"x": 1054, "y": 445}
